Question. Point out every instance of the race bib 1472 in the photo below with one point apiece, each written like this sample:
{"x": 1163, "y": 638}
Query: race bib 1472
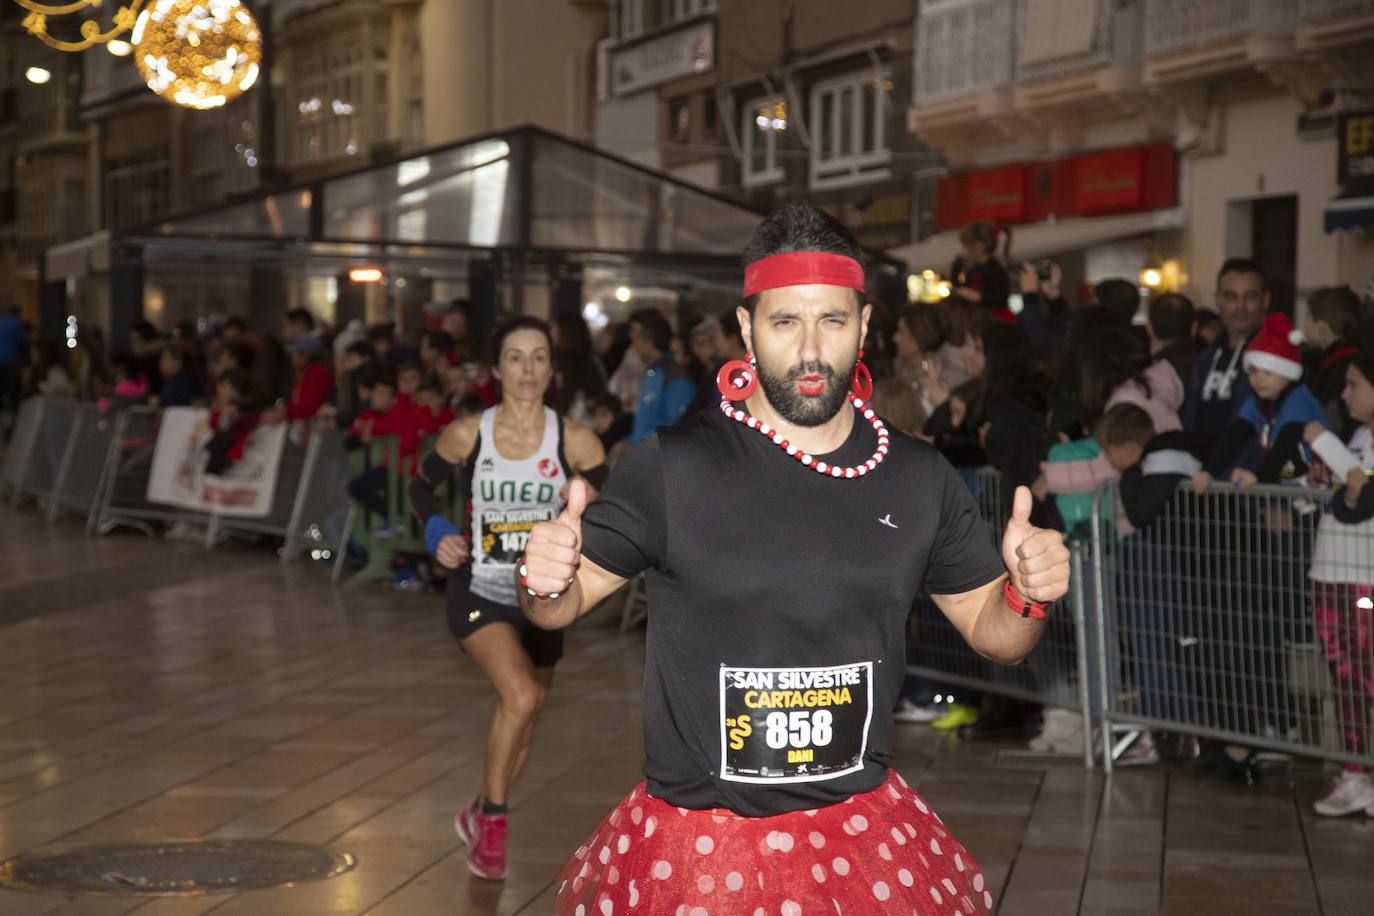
{"x": 794, "y": 724}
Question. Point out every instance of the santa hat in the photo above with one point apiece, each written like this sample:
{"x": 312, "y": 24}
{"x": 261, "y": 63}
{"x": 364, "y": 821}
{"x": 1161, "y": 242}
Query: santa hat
{"x": 1275, "y": 348}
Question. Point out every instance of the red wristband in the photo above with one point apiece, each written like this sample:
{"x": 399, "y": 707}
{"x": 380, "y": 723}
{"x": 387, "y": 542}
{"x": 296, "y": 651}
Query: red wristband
{"x": 1035, "y": 610}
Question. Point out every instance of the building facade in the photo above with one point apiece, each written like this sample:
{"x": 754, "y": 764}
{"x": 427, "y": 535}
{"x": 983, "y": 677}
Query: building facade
{"x": 1114, "y": 135}
{"x": 350, "y": 82}
{"x": 770, "y": 101}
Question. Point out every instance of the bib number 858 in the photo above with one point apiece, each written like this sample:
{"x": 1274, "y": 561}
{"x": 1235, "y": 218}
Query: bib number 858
{"x": 799, "y": 729}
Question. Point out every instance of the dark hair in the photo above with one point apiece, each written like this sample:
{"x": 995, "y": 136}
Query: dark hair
{"x": 432, "y": 383}
{"x": 244, "y": 354}
{"x": 408, "y": 365}
{"x": 1364, "y": 361}
{"x": 366, "y": 375}
{"x": 988, "y": 234}
{"x": 729, "y": 326}
{"x": 606, "y": 402}
{"x": 573, "y": 333}
{"x": 144, "y": 329}
{"x": 798, "y": 227}
{"x": 1118, "y": 296}
{"x": 1011, "y": 369}
{"x": 301, "y": 316}
{"x": 471, "y": 403}
{"x": 509, "y": 327}
{"x": 439, "y": 340}
{"x": 382, "y": 331}
{"x": 361, "y": 348}
{"x": 1125, "y": 424}
{"x": 1171, "y": 316}
{"x": 235, "y": 322}
{"x": 928, "y": 323}
{"x": 1243, "y": 266}
{"x": 656, "y": 326}
{"x": 1110, "y": 358}
{"x": 382, "y": 375}
{"x": 1339, "y": 307}
{"x": 238, "y": 379}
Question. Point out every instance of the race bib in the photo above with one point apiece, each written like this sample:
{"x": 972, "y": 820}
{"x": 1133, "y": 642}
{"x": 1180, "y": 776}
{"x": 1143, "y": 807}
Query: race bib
{"x": 794, "y": 724}
{"x": 505, "y": 533}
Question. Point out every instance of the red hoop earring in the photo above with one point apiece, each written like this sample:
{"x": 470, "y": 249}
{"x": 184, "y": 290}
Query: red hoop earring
{"x": 737, "y": 379}
{"x": 862, "y": 384}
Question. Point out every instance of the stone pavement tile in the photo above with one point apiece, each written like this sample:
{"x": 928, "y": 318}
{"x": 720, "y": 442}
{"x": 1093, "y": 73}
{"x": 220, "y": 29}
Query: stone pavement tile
{"x": 1201, "y": 905}
{"x": 21, "y": 903}
{"x": 1122, "y": 895}
{"x": 1043, "y": 901}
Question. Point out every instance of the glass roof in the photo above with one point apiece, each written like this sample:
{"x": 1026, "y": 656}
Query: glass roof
{"x": 522, "y": 189}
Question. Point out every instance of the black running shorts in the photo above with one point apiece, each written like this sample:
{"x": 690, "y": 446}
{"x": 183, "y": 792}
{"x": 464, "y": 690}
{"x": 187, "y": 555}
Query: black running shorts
{"x": 468, "y": 613}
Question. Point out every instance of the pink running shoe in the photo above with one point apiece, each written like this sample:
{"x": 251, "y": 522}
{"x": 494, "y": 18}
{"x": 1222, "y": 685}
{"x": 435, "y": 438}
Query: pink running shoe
{"x": 487, "y": 856}
{"x": 465, "y": 823}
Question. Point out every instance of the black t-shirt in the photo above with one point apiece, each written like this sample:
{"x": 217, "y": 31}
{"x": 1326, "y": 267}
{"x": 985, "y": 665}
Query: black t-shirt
{"x": 778, "y": 602}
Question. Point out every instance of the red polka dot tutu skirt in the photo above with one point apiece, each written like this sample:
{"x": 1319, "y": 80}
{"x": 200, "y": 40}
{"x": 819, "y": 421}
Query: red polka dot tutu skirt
{"x": 881, "y": 852}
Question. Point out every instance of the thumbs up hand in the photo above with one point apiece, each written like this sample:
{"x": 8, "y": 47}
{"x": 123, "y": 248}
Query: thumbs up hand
{"x": 555, "y": 548}
{"x": 1036, "y": 558}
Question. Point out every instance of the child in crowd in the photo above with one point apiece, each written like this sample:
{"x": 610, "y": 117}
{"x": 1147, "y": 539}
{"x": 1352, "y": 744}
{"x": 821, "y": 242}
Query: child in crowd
{"x": 1074, "y": 470}
{"x": 1342, "y": 577}
{"x": 1279, "y": 404}
{"x": 130, "y": 384}
{"x": 610, "y": 420}
{"x": 1263, "y": 547}
{"x": 1073, "y": 473}
{"x": 232, "y": 421}
{"x": 386, "y": 415}
{"x": 430, "y": 410}
{"x": 409, "y": 375}
{"x": 1329, "y": 327}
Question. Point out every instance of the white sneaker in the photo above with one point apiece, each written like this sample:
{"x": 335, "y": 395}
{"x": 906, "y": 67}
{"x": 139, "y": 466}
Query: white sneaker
{"x": 1062, "y": 733}
{"x": 1141, "y": 753}
{"x": 1352, "y": 792}
{"x": 908, "y": 711}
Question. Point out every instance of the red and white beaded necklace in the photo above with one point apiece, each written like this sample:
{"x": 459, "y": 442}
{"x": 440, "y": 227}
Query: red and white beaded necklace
{"x": 808, "y": 461}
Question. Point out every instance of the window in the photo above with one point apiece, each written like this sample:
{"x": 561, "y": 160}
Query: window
{"x": 680, "y": 119}
{"x": 631, "y": 18}
{"x": 762, "y": 122}
{"x": 683, "y": 9}
{"x": 849, "y": 130}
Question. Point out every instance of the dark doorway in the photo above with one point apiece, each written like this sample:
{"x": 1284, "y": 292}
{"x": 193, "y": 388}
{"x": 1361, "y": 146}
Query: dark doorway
{"x": 1274, "y": 244}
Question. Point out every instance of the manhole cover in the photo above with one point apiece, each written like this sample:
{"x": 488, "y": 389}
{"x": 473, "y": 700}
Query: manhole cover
{"x": 181, "y": 867}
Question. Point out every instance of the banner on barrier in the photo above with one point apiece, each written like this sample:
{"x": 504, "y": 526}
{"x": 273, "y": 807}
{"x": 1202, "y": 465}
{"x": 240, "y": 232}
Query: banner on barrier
{"x": 178, "y": 475}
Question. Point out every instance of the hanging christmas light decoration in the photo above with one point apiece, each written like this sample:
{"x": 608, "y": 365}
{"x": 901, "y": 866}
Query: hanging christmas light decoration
{"x": 91, "y": 31}
{"x": 197, "y": 53}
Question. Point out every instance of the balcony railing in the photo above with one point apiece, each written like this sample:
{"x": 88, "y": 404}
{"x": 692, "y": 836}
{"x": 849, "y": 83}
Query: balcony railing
{"x": 1172, "y": 26}
{"x": 964, "y": 48}
{"x": 1116, "y": 41}
{"x": 1322, "y": 10}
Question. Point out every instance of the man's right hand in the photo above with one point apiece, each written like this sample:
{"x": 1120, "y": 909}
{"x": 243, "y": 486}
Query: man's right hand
{"x": 555, "y": 548}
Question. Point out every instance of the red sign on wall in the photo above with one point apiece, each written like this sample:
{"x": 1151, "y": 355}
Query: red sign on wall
{"x": 1001, "y": 195}
{"x": 1111, "y": 181}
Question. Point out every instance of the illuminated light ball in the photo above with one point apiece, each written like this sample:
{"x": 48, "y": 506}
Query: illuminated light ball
{"x": 197, "y": 53}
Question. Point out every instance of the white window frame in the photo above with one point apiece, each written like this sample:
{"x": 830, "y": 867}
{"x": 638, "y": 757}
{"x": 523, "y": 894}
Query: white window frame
{"x": 749, "y": 132}
{"x": 631, "y": 18}
{"x": 839, "y": 171}
{"x": 685, "y": 9}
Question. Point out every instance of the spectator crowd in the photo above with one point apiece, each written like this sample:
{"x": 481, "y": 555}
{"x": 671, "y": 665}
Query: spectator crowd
{"x": 1060, "y": 396}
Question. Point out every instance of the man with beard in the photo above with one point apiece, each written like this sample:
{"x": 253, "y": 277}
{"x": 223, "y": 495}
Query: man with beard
{"x": 785, "y": 537}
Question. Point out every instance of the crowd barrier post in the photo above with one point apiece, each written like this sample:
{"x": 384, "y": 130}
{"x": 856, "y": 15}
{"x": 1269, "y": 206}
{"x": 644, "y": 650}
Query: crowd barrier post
{"x": 23, "y": 441}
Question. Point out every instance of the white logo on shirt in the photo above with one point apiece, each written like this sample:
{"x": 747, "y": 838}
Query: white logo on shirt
{"x": 887, "y": 520}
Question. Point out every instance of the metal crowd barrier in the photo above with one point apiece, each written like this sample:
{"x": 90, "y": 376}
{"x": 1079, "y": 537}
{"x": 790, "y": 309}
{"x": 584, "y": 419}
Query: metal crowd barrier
{"x": 1057, "y": 673}
{"x": 123, "y": 497}
{"x": 19, "y": 452}
{"x": 320, "y": 511}
{"x": 1240, "y": 617}
{"x": 56, "y": 423}
{"x": 83, "y": 464}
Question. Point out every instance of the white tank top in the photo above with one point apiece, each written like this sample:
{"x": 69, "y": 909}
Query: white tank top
{"x": 508, "y": 498}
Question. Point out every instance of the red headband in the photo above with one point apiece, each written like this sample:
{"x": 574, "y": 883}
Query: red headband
{"x": 797, "y": 268}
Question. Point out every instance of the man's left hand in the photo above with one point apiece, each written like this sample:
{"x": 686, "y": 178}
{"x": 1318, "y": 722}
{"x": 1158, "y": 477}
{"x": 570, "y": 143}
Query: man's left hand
{"x": 1036, "y": 558}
